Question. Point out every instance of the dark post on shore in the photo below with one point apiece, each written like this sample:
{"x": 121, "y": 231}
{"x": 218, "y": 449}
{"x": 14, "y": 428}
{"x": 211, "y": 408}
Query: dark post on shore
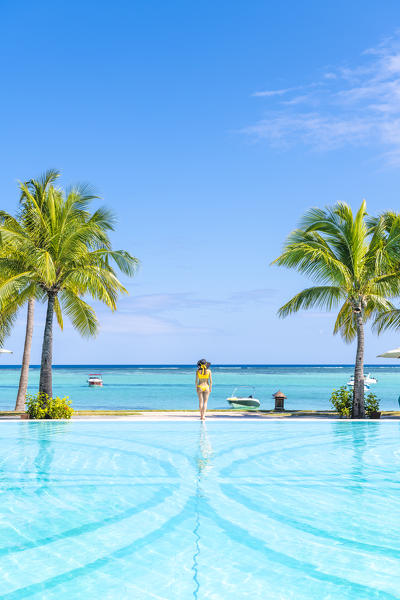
{"x": 279, "y": 400}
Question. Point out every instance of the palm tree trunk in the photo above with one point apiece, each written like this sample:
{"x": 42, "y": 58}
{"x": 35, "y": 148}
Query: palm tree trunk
{"x": 46, "y": 382}
{"x": 358, "y": 411}
{"x": 23, "y": 379}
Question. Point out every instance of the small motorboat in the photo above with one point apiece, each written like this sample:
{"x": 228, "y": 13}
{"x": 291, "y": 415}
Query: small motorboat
{"x": 243, "y": 396}
{"x": 95, "y": 379}
{"x": 368, "y": 380}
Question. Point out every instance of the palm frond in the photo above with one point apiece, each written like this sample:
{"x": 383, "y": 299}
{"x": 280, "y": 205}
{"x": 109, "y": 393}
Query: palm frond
{"x": 9, "y": 309}
{"x": 387, "y": 321}
{"x": 345, "y": 323}
{"x": 309, "y": 254}
{"x": 82, "y": 315}
{"x": 324, "y": 297}
{"x": 7, "y": 320}
{"x": 58, "y": 311}
{"x": 125, "y": 262}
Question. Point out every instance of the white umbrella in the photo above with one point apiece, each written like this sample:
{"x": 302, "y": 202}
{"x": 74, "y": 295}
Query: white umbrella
{"x": 390, "y": 354}
{"x": 4, "y": 351}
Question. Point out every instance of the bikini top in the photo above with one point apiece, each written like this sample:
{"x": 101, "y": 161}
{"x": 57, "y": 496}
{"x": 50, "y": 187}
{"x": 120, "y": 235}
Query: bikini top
{"x": 203, "y": 374}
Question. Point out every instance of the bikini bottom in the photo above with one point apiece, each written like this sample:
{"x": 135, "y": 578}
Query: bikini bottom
{"x": 203, "y": 387}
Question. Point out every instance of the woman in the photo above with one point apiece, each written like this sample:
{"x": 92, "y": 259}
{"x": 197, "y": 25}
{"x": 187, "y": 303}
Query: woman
{"x": 203, "y": 385}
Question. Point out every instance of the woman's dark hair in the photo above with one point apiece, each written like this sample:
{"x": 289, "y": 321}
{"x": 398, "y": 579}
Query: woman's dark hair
{"x": 203, "y": 363}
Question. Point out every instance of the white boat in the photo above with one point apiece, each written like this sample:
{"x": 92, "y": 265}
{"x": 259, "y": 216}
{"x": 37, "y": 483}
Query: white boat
{"x": 368, "y": 380}
{"x": 95, "y": 379}
{"x": 243, "y": 396}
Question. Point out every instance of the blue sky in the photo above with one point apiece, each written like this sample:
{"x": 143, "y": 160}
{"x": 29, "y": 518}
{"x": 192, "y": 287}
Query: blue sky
{"x": 208, "y": 128}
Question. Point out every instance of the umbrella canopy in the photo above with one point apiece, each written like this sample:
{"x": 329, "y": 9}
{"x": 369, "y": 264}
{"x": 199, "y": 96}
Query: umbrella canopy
{"x": 390, "y": 354}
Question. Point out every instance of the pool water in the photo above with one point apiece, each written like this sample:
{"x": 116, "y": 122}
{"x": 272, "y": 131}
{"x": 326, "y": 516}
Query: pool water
{"x": 171, "y": 510}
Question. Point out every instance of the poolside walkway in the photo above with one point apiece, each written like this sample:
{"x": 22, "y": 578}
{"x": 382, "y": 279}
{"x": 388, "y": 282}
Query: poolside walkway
{"x": 193, "y": 415}
{"x": 216, "y": 415}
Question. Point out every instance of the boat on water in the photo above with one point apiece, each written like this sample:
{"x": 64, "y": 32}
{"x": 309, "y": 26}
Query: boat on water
{"x": 243, "y": 396}
{"x": 95, "y": 379}
{"x": 368, "y": 380}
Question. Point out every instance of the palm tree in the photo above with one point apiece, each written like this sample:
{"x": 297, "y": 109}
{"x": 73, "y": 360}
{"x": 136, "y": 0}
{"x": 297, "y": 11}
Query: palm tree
{"x": 352, "y": 262}
{"x": 38, "y": 190}
{"x": 11, "y": 261}
{"x": 70, "y": 257}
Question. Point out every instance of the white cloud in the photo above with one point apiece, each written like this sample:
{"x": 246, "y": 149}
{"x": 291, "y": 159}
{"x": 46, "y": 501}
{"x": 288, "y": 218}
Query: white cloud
{"x": 162, "y": 314}
{"x": 357, "y": 105}
{"x": 151, "y": 304}
{"x": 146, "y": 325}
{"x": 298, "y": 100}
{"x": 271, "y": 93}
{"x": 314, "y": 129}
{"x": 164, "y": 302}
{"x": 261, "y": 295}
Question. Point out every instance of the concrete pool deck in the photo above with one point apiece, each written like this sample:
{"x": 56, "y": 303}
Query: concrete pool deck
{"x": 193, "y": 415}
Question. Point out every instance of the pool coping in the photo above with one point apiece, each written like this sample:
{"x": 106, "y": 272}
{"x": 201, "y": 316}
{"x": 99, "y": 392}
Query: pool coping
{"x": 212, "y": 415}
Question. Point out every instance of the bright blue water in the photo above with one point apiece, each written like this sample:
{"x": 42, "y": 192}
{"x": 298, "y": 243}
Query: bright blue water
{"x": 173, "y": 387}
{"x": 180, "y": 511}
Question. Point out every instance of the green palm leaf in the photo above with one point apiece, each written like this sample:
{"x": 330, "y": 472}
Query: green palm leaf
{"x": 81, "y": 314}
{"x": 325, "y": 297}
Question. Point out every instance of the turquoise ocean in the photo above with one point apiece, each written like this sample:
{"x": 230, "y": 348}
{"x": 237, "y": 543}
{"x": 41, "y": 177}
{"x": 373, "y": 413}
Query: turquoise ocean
{"x": 172, "y": 387}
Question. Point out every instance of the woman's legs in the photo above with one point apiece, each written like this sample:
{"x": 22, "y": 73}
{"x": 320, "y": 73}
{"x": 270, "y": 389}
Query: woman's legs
{"x": 204, "y": 404}
{"x": 200, "y": 395}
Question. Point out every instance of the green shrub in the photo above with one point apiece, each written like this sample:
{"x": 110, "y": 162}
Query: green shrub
{"x": 341, "y": 400}
{"x": 40, "y": 406}
{"x": 371, "y": 404}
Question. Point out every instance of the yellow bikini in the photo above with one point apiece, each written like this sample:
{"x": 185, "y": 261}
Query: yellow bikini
{"x": 203, "y": 374}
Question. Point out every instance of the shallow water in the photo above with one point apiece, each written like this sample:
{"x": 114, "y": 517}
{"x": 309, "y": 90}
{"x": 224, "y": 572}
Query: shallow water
{"x": 173, "y": 387}
{"x": 173, "y": 511}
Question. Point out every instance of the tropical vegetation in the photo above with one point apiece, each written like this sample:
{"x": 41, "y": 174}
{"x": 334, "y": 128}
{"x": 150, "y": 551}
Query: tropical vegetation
{"x": 40, "y": 406}
{"x": 341, "y": 400}
{"x": 353, "y": 261}
{"x": 58, "y": 252}
{"x": 372, "y": 404}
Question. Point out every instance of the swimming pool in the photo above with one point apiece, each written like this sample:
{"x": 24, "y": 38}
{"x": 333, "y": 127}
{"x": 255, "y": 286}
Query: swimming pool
{"x": 168, "y": 510}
